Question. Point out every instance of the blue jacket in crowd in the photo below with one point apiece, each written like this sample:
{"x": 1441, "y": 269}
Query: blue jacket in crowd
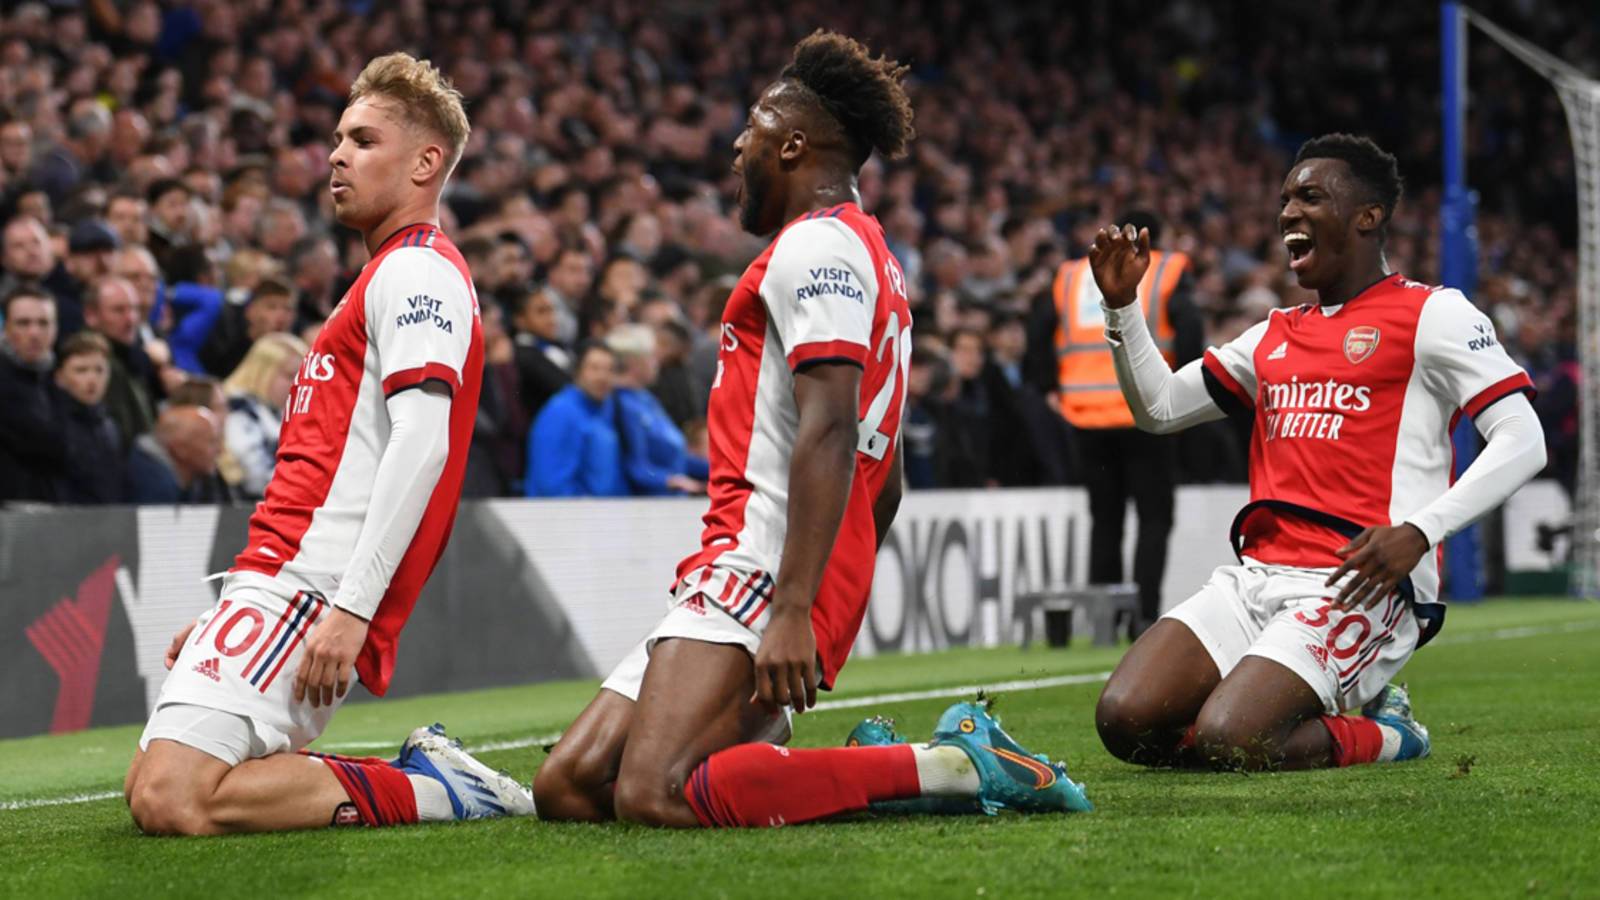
{"x": 573, "y": 448}
{"x": 653, "y": 448}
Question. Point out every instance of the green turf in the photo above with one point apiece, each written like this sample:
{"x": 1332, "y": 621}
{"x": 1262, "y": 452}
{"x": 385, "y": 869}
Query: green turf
{"x": 1509, "y": 804}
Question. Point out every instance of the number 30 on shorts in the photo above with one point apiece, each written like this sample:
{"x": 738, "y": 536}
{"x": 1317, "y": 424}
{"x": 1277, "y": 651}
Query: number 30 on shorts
{"x": 1319, "y": 619}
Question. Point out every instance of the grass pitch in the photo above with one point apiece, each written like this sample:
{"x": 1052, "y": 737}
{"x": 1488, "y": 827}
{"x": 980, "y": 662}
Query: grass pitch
{"x": 1509, "y": 803}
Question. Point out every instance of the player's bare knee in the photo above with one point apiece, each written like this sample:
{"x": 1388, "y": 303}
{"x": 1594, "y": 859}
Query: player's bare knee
{"x": 1122, "y": 720}
{"x": 1229, "y": 743}
{"x": 559, "y": 794}
{"x": 157, "y": 812}
{"x": 647, "y": 801}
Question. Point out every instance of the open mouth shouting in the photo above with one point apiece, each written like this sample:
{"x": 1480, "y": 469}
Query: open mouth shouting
{"x": 1301, "y": 248}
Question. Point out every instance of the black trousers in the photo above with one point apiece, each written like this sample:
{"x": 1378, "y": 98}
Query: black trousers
{"x": 1119, "y": 463}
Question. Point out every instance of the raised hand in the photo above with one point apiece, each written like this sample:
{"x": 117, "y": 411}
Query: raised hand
{"x": 1119, "y": 258}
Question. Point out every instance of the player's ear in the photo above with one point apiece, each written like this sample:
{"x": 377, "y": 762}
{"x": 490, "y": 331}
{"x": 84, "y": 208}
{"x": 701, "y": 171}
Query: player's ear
{"x": 794, "y": 147}
{"x": 1369, "y": 218}
{"x": 430, "y": 163}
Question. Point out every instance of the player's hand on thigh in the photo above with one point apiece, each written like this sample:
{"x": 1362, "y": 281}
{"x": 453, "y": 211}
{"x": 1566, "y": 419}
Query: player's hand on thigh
{"x": 786, "y": 661}
{"x": 1377, "y": 560}
{"x": 329, "y": 664}
{"x": 178, "y": 639}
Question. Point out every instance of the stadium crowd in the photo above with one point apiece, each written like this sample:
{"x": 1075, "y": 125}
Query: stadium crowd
{"x": 169, "y": 250}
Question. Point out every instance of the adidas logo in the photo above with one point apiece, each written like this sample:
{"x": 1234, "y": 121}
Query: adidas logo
{"x": 208, "y": 668}
{"x": 696, "y": 604}
{"x": 1280, "y": 351}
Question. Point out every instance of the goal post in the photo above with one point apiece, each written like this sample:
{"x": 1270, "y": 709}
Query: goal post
{"x": 1580, "y": 98}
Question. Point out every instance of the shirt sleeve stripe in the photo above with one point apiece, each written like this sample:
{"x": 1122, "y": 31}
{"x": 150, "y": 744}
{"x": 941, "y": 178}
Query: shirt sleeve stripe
{"x": 1500, "y": 390}
{"x": 848, "y": 351}
{"x": 407, "y": 378}
{"x": 1217, "y": 370}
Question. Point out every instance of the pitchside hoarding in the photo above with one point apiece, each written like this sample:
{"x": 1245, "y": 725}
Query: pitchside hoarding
{"x": 526, "y": 591}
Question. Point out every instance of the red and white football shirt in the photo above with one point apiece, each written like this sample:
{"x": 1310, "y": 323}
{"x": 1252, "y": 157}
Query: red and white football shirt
{"x": 1354, "y": 407}
{"x": 826, "y": 289}
{"x": 411, "y": 316}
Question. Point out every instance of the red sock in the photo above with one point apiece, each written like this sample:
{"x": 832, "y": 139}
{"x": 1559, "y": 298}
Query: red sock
{"x": 1356, "y": 739}
{"x": 758, "y": 785}
{"x": 382, "y": 794}
{"x": 1187, "y": 741}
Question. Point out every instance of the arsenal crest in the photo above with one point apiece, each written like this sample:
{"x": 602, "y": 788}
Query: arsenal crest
{"x": 1360, "y": 342}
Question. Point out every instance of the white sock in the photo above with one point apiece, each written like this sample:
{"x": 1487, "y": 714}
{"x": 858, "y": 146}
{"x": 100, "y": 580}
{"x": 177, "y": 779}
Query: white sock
{"x": 433, "y": 801}
{"x": 1391, "y": 742}
{"x": 945, "y": 771}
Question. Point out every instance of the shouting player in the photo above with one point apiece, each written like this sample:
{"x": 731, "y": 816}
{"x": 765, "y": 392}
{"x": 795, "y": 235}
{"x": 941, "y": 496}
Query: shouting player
{"x": 805, "y": 480}
{"x": 1354, "y": 399}
{"x": 357, "y": 513}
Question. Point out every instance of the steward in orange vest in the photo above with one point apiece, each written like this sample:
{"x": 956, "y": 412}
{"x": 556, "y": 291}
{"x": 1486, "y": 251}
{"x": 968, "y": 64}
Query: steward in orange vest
{"x": 1086, "y": 379}
{"x": 1113, "y": 460}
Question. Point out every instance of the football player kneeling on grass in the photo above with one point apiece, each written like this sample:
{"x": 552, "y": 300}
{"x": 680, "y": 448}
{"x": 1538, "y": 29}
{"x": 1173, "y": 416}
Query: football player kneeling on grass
{"x": 1353, "y": 399}
{"x": 359, "y": 508}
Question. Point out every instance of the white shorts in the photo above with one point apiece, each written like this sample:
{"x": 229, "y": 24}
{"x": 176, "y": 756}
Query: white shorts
{"x": 1283, "y": 614}
{"x": 231, "y": 692}
{"x": 703, "y": 608}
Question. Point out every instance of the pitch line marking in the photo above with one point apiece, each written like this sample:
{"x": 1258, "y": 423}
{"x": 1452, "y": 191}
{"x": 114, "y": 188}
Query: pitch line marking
{"x": 1030, "y": 684}
{"x": 59, "y": 801}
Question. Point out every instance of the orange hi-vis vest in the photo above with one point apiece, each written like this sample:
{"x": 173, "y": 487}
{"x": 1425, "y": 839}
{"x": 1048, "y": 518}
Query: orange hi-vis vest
{"x": 1086, "y": 377}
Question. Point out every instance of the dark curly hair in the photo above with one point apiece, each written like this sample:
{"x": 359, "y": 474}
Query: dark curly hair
{"x": 862, "y": 93}
{"x": 1375, "y": 169}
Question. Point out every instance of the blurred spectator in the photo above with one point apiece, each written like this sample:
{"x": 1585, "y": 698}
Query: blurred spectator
{"x": 574, "y": 449}
{"x": 32, "y": 441}
{"x": 602, "y": 134}
{"x": 542, "y": 360}
{"x": 674, "y": 385}
{"x": 966, "y": 409}
{"x": 567, "y": 284}
{"x": 136, "y": 264}
{"x": 95, "y": 461}
{"x": 113, "y": 312}
{"x": 205, "y": 391}
{"x": 314, "y": 262}
{"x": 257, "y": 391}
{"x": 125, "y": 213}
{"x": 927, "y": 445}
{"x": 177, "y": 461}
{"x": 1033, "y": 445}
{"x": 90, "y": 248}
{"x": 653, "y": 448}
{"x": 499, "y": 435}
{"x": 29, "y": 260}
{"x": 169, "y": 225}
{"x": 268, "y": 309}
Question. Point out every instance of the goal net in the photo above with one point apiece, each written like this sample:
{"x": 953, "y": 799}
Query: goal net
{"x": 1580, "y": 97}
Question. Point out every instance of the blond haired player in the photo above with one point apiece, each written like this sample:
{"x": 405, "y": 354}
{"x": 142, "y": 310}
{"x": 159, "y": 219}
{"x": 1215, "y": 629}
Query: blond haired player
{"x": 370, "y": 462}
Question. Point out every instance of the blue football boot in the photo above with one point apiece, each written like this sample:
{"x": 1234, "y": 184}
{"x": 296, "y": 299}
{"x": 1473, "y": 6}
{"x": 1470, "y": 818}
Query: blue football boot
{"x": 874, "y": 731}
{"x": 1393, "y": 709}
{"x": 1009, "y": 776}
{"x": 878, "y": 731}
{"x": 475, "y": 790}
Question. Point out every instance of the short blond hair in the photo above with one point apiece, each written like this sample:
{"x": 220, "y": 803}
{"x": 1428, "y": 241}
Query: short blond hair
{"x": 424, "y": 95}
